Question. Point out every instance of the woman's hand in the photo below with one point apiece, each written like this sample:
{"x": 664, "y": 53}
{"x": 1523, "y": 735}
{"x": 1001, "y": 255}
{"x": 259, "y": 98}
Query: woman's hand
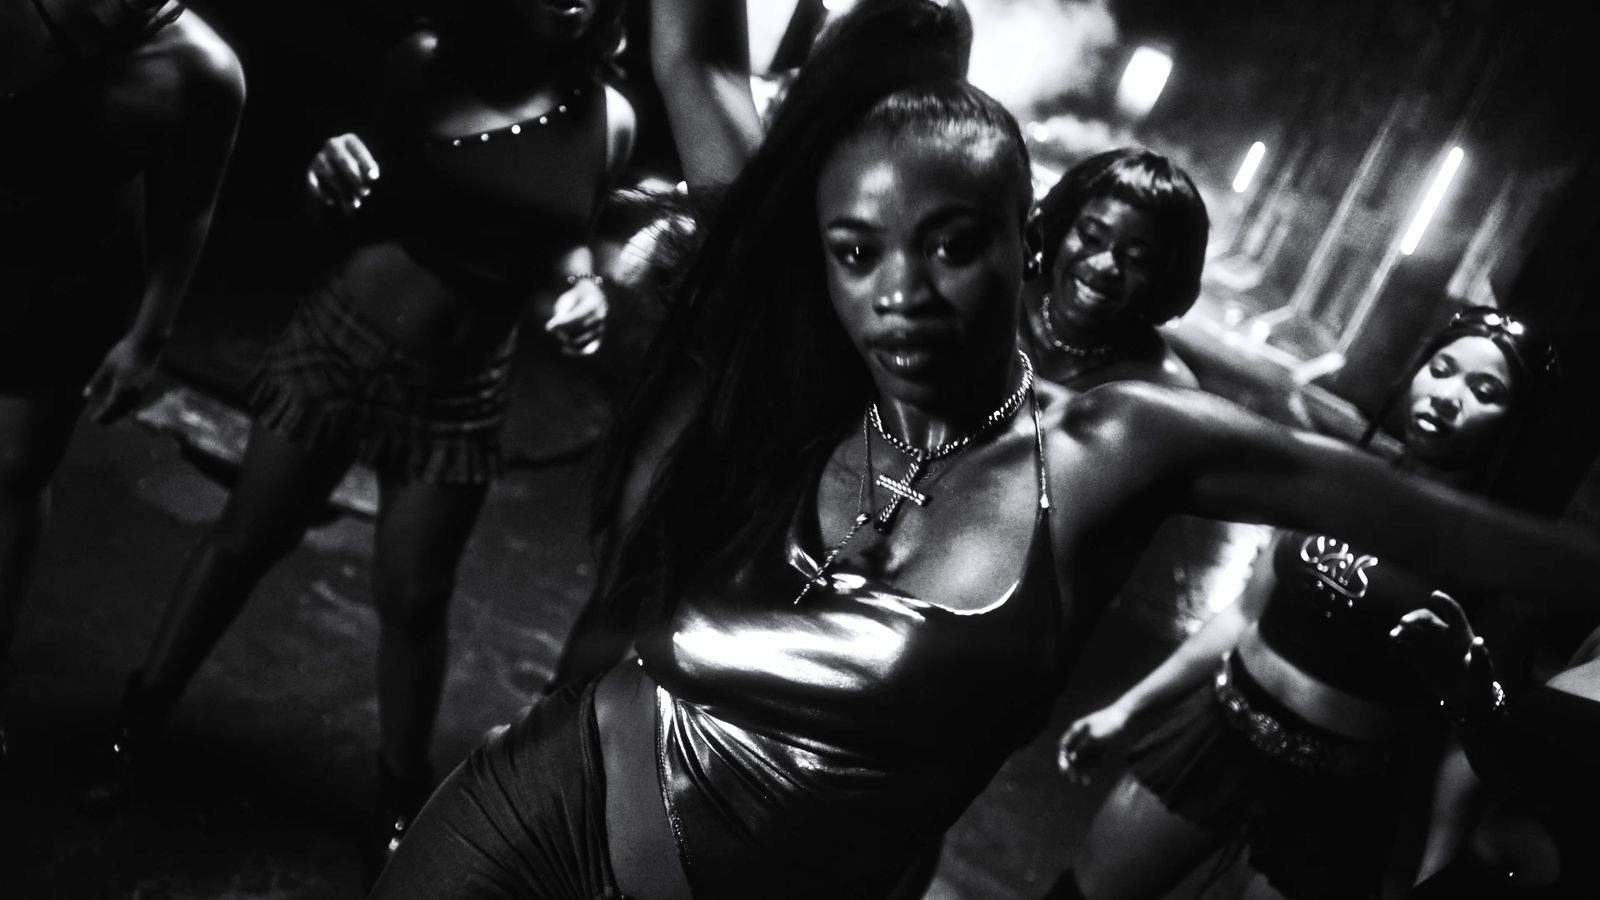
{"x": 342, "y": 173}
{"x": 120, "y": 380}
{"x": 1083, "y": 745}
{"x": 1436, "y": 645}
{"x": 578, "y": 321}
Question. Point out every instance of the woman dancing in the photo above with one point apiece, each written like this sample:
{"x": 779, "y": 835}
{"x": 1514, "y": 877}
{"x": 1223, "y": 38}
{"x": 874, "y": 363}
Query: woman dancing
{"x": 1123, "y": 241}
{"x": 118, "y": 121}
{"x": 1290, "y": 747}
{"x": 494, "y": 142}
{"x": 879, "y": 542}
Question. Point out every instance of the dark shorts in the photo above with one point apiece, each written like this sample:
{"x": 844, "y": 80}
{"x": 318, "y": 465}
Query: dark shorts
{"x": 1311, "y": 832}
{"x": 333, "y": 382}
{"x": 522, "y": 817}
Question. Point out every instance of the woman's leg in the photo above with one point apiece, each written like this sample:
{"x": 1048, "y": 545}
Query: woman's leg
{"x": 34, "y": 432}
{"x": 281, "y": 486}
{"x": 422, "y": 531}
{"x": 1137, "y": 848}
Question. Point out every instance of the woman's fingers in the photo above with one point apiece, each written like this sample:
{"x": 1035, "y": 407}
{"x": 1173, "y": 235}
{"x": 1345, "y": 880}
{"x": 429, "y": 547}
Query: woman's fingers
{"x": 1071, "y": 746}
{"x": 367, "y": 166}
{"x": 1450, "y": 612}
{"x": 346, "y": 168}
{"x": 343, "y": 171}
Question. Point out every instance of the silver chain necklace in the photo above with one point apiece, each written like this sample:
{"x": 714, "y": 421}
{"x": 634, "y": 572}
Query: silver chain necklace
{"x": 904, "y": 489}
{"x": 1060, "y": 344}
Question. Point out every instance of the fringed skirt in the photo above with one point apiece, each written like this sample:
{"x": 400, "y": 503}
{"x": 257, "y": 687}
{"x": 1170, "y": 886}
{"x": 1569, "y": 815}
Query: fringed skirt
{"x": 332, "y": 381}
{"x": 1316, "y": 811}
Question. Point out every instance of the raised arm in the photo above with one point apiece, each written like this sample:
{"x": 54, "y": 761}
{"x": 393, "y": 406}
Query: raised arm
{"x": 201, "y": 116}
{"x": 700, "y": 54}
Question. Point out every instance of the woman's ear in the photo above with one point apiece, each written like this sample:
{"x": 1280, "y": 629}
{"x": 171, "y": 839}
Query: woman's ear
{"x": 1032, "y": 250}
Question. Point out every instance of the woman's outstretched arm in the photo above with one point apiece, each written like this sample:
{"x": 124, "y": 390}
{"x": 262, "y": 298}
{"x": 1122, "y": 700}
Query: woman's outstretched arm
{"x": 1221, "y": 461}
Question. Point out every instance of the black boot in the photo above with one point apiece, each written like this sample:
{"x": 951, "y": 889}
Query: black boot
{"x": 398, "y": 802}
{"x": 109, "y": 767}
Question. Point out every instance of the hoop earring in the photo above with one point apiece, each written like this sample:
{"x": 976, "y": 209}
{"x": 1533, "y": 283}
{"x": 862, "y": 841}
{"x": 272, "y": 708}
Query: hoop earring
{"x": 1032, "y": 265}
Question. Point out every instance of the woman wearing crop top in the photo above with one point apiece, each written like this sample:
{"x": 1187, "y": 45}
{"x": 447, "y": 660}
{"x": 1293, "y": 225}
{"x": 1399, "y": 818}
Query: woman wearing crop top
{"x": 116, "y": 123}
{"x": 474, "y": 186}
{"x": 879, "y": 541}
{"x": 1290, "y": 747}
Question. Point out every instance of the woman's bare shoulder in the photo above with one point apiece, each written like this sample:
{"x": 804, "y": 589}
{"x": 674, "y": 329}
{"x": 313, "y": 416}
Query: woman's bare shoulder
{"x": 202, "y": 59}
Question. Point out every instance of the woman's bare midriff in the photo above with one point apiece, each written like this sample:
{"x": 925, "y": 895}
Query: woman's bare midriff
{"x": 1315, "y": 701}
{"x": 419, "y": 314}
{"x": 644, "y": 855}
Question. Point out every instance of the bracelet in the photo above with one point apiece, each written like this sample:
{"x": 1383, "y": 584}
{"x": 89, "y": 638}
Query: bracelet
{"x": 599, "y": 280}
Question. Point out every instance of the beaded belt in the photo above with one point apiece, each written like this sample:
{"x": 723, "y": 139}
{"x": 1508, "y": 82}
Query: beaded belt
{"x": 1312, "y": 752}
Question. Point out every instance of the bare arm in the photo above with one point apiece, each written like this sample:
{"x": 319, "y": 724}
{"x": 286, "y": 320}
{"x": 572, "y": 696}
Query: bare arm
{"x": 700, "y": 54}
{"x": 180, "y": 197}
{"x": 1223, "y": 462}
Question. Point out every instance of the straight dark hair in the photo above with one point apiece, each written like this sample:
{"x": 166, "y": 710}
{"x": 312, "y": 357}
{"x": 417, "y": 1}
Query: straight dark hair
{"x": 752, "y": 340}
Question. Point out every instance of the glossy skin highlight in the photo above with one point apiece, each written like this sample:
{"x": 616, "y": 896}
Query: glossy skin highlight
{"x": 922, "y": 244}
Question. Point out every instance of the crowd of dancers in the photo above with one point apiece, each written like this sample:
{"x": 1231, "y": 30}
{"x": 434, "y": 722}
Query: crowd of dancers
{"x": 901, "y": 437}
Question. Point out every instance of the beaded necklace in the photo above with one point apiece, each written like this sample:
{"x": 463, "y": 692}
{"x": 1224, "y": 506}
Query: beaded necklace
{"x": 1061, "y": 344}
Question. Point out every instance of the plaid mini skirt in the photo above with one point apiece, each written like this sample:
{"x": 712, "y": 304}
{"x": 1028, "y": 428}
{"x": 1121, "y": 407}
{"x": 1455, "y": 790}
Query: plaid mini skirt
{"x": 333, "y": 382}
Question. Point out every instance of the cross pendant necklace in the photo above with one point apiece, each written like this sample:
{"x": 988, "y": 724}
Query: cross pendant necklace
{"x": 905, "y": 488}
{"x": 901, "y": 491}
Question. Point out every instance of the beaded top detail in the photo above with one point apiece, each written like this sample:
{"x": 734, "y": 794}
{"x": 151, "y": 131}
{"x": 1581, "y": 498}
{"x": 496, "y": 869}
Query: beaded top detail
{"x": 508, "y": 132}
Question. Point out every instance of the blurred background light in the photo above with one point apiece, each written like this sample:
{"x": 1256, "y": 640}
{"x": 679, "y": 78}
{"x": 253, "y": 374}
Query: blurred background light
{"x": 1247, "y": 169}
{"x": 1430, "y": 202}
{"x": 1142, "y": 81}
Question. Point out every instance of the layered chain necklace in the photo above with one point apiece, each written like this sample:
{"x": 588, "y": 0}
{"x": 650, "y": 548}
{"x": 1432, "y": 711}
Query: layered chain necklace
{"x": 904, "y": 488}
{"x": 1056, "y": 340}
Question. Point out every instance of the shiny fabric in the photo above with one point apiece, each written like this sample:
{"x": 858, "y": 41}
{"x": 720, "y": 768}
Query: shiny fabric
{"x": 484, "y": 213}
{"x": 1331, "y": 612}
{"x": 813, "y": 750}
{"x": 522, "y": 817}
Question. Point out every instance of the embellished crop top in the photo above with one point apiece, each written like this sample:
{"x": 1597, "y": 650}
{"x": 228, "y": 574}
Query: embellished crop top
{"x": 485, "y": 212}
{"x": 1331, "y": 612}
{"x": 815, "y": 749}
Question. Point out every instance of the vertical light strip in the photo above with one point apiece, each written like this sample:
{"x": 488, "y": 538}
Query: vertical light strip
{"x": 1247, "y": 169}
{"x": 1430, "y": 202}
